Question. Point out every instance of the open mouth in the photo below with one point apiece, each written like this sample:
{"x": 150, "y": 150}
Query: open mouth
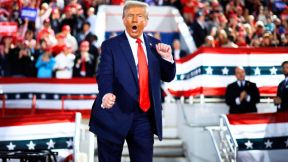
{"x": 134, "y": 28}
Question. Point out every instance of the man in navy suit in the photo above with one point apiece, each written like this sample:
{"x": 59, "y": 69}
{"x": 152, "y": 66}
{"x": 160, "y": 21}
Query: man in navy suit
{"x": 242, "y": 95}
{"x": 282, "y": 92}
{"x": 128, "y": 106}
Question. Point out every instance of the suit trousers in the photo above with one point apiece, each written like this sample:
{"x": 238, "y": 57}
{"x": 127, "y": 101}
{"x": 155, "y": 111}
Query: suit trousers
{"x": 140, "y": 140}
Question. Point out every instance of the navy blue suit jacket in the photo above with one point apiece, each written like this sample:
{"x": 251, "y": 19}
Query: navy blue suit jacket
{"x": 117, "y": 74}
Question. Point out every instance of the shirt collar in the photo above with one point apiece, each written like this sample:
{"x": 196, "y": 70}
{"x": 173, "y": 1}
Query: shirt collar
{"x": 240, "y": 83}
{"x": 130, "y": 39}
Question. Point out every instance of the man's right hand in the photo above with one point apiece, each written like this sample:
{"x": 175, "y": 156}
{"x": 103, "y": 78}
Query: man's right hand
{"x": 243, "y": 95}
{"x": 108, "y": 101}
{"x": 277, "y": 100}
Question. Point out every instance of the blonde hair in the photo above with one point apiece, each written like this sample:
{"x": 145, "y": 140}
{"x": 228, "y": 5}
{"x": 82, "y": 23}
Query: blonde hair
{"x": 131, "y": 4}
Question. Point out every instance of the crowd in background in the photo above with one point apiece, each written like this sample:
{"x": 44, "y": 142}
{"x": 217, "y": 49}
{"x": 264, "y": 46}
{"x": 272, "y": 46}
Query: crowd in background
{"x": 62, "y": 42}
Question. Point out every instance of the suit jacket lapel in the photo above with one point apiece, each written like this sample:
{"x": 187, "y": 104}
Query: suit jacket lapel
{"x": 129, "y": 55}
{"x": 150, "y": 55}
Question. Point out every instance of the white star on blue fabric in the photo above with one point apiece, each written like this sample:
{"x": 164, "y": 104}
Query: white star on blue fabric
{"x": 50, "y": 144}
{"x": 11, "y": 146}
{"x": 30, "y": 95}
{"x": 225, "y": 71}
{"x": 56, "y": 97}
{"x": 257, "y": 71}
{"x": 273, "y": 71}
{"x": 268, "y": 144}
{"x": 43, "y": 96}
{"x": 17, "y": 96}
{"x": 286, "y": 142}
{"x": 209, "y": 70}
{"x": 31, "y": 146}
{"x": 199, "y": 71}
{"x": 69, "y": 143}
{"x": 249, "y": 144}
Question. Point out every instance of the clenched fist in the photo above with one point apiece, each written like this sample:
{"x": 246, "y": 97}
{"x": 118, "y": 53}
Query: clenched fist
{"x": 164, "y": 51}
{"x": 108, "y": 101}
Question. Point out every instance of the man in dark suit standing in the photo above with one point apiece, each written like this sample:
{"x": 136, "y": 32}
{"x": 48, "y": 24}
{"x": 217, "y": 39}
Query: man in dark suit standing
{"x": 128, "y": 106}
{"x": 199, "y": 29}
{"x": 242, "y": 95}
{"x": 282, "y": 92}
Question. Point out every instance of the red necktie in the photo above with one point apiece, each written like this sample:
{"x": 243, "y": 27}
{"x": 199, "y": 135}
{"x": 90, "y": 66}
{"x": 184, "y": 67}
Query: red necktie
{"x": 83, "y": 67}
{"x": 144, "y": 99}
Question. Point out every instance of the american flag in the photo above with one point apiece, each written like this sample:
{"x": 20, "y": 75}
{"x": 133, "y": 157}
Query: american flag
{"x": 33, "y": 133}
{"x": 260, "y": 137}
{"x": 209, "y": 70}
{"x": 19, "y": 93}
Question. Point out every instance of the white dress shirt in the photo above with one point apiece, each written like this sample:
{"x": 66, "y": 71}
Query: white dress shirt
{"x": 65, "y": 62}
{"x": 248, "y": 97}
{"x": 134, "y": 47}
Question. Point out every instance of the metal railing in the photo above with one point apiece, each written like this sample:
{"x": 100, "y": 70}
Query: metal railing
{"x": 225, "y": 144}
{"x": 3, "y": 110}
{"x": 75, "y": 97}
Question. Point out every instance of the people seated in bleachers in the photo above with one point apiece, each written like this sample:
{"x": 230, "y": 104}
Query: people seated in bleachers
{"x": 246, "y": 23}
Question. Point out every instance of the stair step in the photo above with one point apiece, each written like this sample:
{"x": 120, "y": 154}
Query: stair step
{"x": 155, "y": 159}
{"x": 159, "y": 159}
{"x": 165, "y": 143}
{"x": 161, "y": 152}
{"x": 165, "y": 148}
{"x": 170, "y": 132}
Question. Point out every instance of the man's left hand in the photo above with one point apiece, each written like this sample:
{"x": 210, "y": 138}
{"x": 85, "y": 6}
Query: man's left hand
{"x": 164, "y": 51}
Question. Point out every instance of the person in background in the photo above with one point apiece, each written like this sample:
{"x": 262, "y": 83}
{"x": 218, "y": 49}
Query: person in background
{"x": 45, "y": 64}
{"x": 176, "y": 50}
{"x": 7, "y": 53}
{"x": 69, "y": 39}
{"x": 64, "y": 63}
{"x": 209, "y": 42}
{"x": 242, "y": 96}
{"x": 85, "y": 34}
{"x": 55, "y": 20}
{"x": 199, "y": 29}
{"x": 281, "y": 101}
{"x": 92, "y": 18}
{"x": 22, "y": 65}
{"x": 84, "y": 62}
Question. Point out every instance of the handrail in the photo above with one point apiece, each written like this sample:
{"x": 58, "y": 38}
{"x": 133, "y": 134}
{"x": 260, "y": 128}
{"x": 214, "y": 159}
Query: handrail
{"x": 224, "y": 117}
{"x": 210, "y": 129}
{"x": 224, "y": 121}
{"x": 75, "y": 97}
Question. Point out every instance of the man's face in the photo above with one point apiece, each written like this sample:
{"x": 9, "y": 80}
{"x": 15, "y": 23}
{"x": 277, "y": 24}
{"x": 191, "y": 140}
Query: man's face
{"x": 135, "y": 20}
{"x": 240, "y": 74}
{"x": 285, "y": 69}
